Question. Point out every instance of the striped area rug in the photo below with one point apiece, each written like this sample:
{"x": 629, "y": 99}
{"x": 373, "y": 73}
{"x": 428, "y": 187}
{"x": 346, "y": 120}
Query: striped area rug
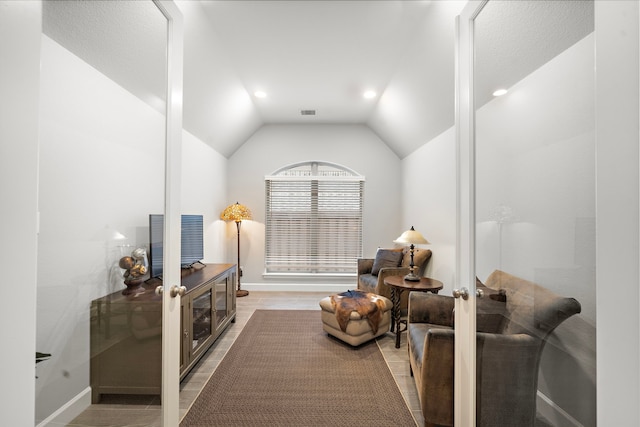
{"x": 284, "y": 370}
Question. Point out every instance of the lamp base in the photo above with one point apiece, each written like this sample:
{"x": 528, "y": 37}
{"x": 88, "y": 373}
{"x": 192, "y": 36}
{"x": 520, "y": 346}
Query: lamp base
{"x": 241, "y": 293}
{"x": 412, "y": 277}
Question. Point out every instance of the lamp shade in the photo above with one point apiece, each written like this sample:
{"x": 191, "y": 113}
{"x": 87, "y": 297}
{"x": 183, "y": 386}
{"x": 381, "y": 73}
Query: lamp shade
{"x": 235, "y": 212}
{"x": 411, "y": 237}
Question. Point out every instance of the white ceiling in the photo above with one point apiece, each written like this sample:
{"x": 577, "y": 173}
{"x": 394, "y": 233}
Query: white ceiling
{"x": 311, "y": 55}
{"x": 320, "y": 55}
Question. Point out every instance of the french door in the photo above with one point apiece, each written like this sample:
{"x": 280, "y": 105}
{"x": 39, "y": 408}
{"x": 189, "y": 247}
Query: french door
{"x": 109, "y": 155}
{"x": 526, "y": 189}
{"x": 171, "y": 313}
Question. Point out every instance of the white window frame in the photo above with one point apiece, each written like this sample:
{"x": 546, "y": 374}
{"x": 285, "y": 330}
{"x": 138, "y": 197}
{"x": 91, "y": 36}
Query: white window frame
{"x": 302, "y": 238}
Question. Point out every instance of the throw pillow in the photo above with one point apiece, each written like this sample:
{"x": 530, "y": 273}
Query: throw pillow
{"x": 420, "y": 256}
{"x": 386, "y": 258}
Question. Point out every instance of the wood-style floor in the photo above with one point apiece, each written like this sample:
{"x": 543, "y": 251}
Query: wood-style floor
{"x": 146, "y": 411}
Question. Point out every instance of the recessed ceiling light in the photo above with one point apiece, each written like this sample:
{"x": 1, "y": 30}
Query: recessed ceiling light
{"x": 260, "y": 94}
{"x": 370, "y": 94}
{"x": 499, "y": 92}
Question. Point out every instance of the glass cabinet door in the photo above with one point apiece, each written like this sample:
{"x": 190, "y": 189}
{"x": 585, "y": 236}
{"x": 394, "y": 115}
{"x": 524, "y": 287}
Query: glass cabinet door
{"x": 184, "y": 343}
{"x": 221, "y": 300}
{"x": 202, "y": 320}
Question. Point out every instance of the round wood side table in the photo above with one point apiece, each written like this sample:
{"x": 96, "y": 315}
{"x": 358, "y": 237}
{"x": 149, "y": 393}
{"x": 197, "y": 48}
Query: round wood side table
{"x": 398, "y": 285}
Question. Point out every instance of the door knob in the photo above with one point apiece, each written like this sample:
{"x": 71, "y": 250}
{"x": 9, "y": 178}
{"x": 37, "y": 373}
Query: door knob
{"x": 464, "y": 293}
{"x": 177, "y": 290}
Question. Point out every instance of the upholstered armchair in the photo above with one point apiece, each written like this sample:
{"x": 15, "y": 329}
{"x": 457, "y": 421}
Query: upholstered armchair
{"x": 514, "y": 319}
{"x": 390, "y": 262}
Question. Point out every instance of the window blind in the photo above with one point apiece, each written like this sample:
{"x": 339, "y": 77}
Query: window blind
{"x": 313, "y": 223}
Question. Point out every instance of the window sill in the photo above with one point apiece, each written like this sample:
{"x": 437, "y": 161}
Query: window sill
{"x": 309, "y": 275}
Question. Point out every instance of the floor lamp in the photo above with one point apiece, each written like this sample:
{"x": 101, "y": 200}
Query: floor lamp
{"x": 237, "y": 213}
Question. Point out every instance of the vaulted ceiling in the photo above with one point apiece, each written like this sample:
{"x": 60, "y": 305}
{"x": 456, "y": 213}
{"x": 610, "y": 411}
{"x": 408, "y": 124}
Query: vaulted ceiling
{"x": 320, "y": 56}
{"x": 305, "y": 55}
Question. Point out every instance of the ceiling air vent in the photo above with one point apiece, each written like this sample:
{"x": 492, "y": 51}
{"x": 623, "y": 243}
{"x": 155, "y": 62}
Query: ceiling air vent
{"x": 308, "y": 112}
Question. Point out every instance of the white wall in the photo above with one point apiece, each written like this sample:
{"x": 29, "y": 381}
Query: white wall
{"x": 20, "y": 28}
{"x": 429, "y": 203}
{"x": 204, "y": 177}
{"x": 405, "y": 116}
{"x": 275, "y": 146}
{"x": 101, "y": 171}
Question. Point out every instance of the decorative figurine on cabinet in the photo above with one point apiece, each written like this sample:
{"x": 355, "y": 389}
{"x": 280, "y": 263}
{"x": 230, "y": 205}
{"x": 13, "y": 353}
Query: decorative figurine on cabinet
{"x": 135, "y": 268}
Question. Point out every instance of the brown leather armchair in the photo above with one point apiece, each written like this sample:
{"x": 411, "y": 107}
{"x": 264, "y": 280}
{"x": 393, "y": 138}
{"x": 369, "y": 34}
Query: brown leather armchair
{"x": 514, "y": 319}
{"x": 373, "y": 281}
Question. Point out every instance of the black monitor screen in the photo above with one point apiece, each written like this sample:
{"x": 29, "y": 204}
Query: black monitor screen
{"x": 192, "y": 244}
{"x": 192, "y": 247}
{"x": 156, "y": 233}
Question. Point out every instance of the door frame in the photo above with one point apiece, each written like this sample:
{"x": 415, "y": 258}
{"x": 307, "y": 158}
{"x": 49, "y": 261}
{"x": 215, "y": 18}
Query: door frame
{"x": 465, "y": 309}
{"x": 171, "y": 313}
{"x": 617, "y": 29}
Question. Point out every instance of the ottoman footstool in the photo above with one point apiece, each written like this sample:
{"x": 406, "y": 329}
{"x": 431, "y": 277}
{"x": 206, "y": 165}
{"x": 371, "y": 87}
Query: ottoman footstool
{"x": 358, "y": 329}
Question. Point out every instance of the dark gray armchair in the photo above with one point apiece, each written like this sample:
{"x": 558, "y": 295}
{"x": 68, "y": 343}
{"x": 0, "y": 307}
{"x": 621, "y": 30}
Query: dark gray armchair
{"x": 514, "y": 319}
{"x": 371, "y": 278}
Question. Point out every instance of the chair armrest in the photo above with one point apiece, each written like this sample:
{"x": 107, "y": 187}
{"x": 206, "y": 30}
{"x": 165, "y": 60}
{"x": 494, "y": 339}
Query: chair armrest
{"x": 506, "y": 367}
{"x": 391, "y": 271}
{"x": 385, "y": 290}
{"x": 425, "y": 307}
{"x": 437, "y": 376}
{"x": 365, "y": 265}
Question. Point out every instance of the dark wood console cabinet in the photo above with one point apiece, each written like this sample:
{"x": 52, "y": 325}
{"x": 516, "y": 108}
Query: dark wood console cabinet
{"x": 126, "y": 330}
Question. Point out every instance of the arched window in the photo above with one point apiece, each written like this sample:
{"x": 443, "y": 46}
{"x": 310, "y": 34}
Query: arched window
{"x": 313, "y": 219}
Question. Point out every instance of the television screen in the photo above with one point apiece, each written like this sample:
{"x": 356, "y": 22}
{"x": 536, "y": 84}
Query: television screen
{"x": 192, "y": 240}
{"x": 191, "y": 247}
{"x": 156, "y": 235}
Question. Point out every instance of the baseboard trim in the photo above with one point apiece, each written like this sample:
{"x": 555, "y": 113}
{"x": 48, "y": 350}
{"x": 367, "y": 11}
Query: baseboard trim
{"x": 297, "y": 287}
{"x": 67, "y": 412}
{"x": 555, "y": 414}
